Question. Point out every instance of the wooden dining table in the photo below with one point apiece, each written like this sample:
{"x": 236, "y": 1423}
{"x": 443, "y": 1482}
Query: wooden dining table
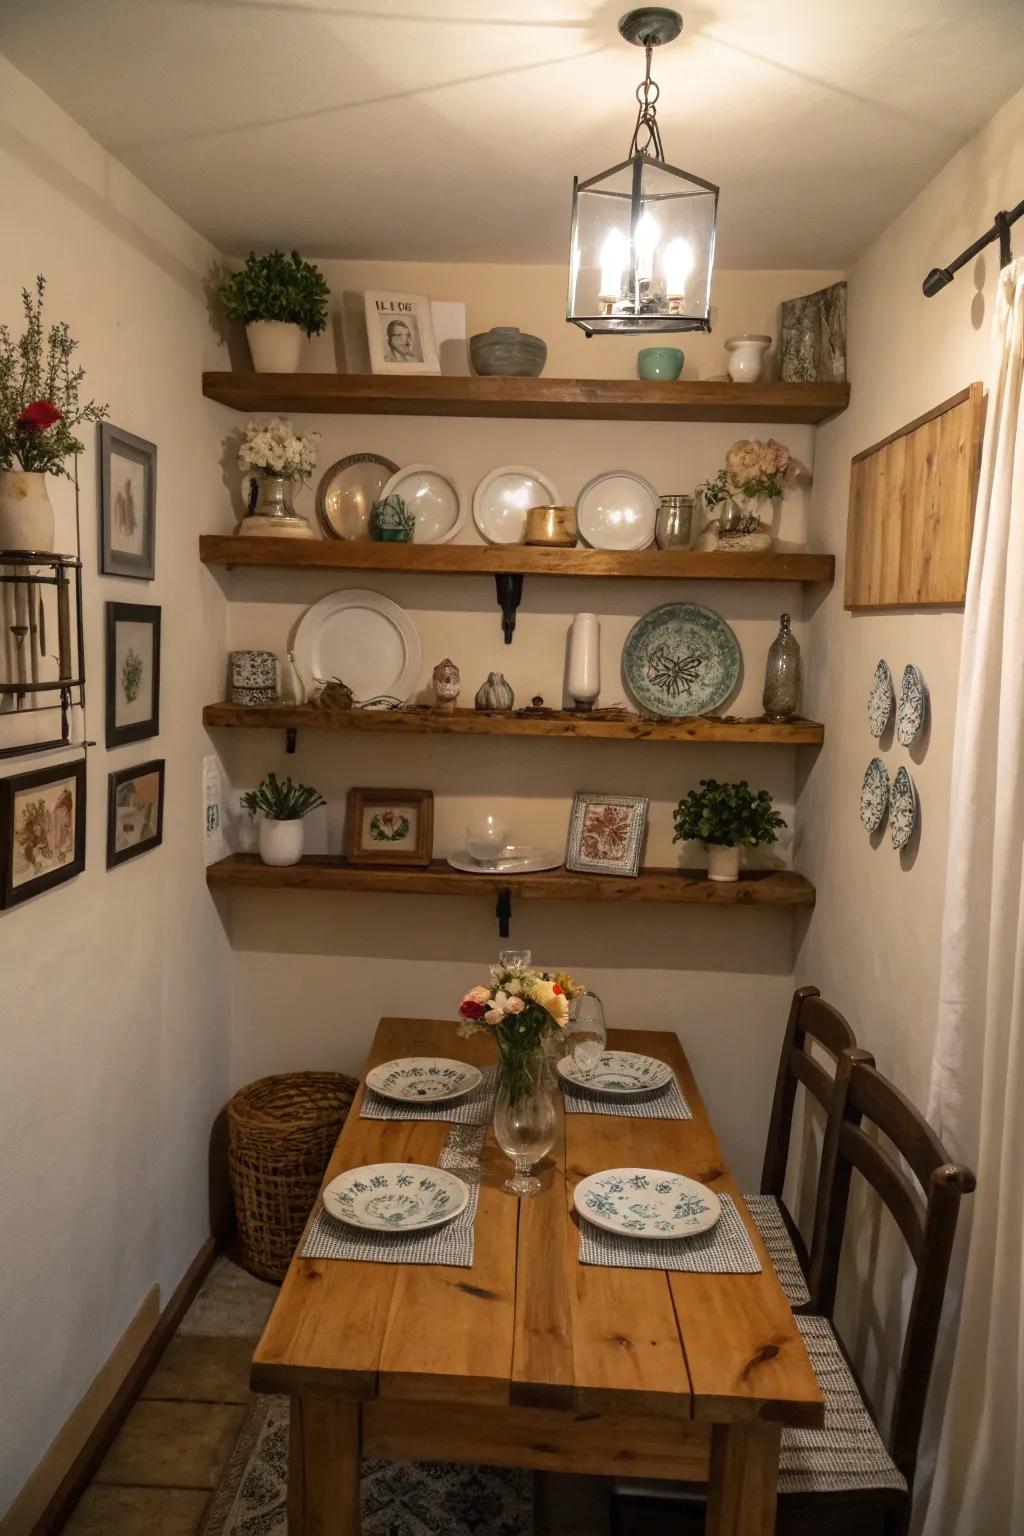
{"x": 529, "y": 1358}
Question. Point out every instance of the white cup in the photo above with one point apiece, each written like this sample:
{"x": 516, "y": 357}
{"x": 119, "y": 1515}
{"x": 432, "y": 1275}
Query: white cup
{"x": 486, "y": 839}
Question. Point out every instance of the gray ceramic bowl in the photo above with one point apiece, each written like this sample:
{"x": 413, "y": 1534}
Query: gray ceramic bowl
{"x": 508, "y": 352}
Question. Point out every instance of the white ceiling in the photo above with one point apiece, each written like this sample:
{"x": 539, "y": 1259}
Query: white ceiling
{"x": 451, "y": 129}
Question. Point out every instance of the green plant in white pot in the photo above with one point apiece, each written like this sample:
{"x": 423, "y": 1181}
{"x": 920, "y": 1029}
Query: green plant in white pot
{"x": 726, "y": 818}
{"x": 281, "y": 806}
{"x": 39, "y": 411}
{"x": 279, "y": 299}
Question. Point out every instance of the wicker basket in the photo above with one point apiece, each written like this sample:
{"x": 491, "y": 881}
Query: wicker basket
{"x": 281, "y": 1133}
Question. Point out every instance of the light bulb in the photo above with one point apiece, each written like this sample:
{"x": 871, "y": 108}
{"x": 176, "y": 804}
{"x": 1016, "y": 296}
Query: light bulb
{"x": 613, "y": 260}
{"x": 648, "y": 233}
{"x": 678, "y": 263}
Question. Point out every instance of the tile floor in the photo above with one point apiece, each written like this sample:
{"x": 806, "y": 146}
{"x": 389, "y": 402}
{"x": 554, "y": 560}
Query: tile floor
{"x": 158, "y": 1475}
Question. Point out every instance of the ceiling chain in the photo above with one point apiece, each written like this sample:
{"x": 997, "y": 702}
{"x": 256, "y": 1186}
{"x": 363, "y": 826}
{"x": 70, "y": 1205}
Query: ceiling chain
{"x": 646, "y": 138}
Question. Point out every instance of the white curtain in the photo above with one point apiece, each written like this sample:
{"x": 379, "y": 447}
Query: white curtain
{"x": 977, "y": 1087}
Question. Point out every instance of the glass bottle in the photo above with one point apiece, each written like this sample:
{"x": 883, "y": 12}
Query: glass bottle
{"x": 782, "y": 675}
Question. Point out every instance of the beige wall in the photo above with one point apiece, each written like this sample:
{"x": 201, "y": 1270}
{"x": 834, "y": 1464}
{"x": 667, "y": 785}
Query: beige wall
{"x": 113, "y": 987}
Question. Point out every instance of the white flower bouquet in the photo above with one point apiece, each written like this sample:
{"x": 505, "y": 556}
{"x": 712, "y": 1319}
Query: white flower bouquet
{"x": 275, "y": 448}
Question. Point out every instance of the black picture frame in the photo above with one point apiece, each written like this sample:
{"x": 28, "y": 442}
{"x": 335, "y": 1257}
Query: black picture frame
{"x": 115, "y": 783}
{"x": 115, "y": 441}
{"x": 136, "y": 730}
{"x": 11, "y": 791}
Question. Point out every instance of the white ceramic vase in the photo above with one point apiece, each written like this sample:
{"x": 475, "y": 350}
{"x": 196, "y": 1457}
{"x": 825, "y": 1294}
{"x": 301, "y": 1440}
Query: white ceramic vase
{"x": 281, "y": 842}
{"x": 723, "y": 862}
{"x": 584, "y": 679}
{"x": 26, "y": 513}
{"x": 275, "y": 345}
{"x": 746, "y": 357}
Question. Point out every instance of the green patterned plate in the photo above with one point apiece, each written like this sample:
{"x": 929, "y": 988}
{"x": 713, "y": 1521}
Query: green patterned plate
{"x": 680, "y": 659}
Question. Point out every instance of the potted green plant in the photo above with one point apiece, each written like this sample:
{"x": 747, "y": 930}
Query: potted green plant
{"x": 281, "y": 805}
{"x": 726, "y": 818}
{"x": 278, "y": 299}
{"x": 39, "y": 411}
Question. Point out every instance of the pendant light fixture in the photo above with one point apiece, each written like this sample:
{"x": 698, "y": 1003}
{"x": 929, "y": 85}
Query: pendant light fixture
{"x": 643, "y": 233}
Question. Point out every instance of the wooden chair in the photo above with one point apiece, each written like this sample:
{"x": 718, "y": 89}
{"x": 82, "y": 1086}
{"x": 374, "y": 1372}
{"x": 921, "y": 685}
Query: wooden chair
{"x": 843, "y": 1480}
{"x": 810, "y": 1019}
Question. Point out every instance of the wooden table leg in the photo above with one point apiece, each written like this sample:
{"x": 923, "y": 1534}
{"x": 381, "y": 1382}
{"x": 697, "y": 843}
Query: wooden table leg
{"x": 323, "y": 1466}
{"x": 744, "y": 1478}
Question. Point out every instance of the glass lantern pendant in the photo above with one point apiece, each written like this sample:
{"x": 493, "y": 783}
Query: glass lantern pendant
{"x": 643, "y": 233}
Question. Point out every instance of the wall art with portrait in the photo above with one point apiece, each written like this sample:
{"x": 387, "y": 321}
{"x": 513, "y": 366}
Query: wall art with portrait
{"x": 400, "y": 333}
{"x": 135, "y": 811}
{"x": 127, "y": 503}
{"x": 42, "y": 830}
{"x": 606, "y": 834}
{"x": 132, "y": 672}
{"x": 389, "y": 826}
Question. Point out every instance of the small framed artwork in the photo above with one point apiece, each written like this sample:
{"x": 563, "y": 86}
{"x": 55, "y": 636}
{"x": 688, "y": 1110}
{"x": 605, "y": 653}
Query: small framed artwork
{"x": 389, "y": 826}
{"x": 400, "y": 332}
{"x": 133, "y": 672}
{"x": 606, "y": 834}
{"x": 127, "y": 504}
{"x": 135, "y": 811}
{"x": 42, "y": 830}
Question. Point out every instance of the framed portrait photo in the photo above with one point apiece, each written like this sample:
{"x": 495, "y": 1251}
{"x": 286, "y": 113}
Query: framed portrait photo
{"x": 389, "y": 826}
{"x": 127, "y": 504}
{"x": 400, "y": 332}
{"x": 135, "y": 811}
{"x": 133, "y": 672}
{"x": 606, "y": 834}
{"x": 42, "y": 830}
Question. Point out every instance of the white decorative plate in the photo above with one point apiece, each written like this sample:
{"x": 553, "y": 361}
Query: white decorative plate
{"x": 517, "y": 859}
{"x": 364, "y": 639}
{"x": 913, "y": 702}
{"x": 646, "y": 1202}
{"x": 432, "y": 496}
{"x": 617, "y": 1074}
{"x": 874, "y": 795}
{"x": 880, "y": 700}
{"x": 423, "y": 1079}
{"x": 902, "y": 810}
{"x": 503, "y": 498}
{"x": 395, "y": 1197}
{"x": 617, "y": 510}
{"x": 347, "y": 492}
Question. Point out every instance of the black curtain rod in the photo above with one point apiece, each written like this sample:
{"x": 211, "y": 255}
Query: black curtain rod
{"x": 938, "y": 277}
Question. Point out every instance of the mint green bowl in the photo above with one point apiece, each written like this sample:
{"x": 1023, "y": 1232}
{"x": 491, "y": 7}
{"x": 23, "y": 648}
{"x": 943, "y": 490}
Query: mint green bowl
{"x": 665, "y": 363}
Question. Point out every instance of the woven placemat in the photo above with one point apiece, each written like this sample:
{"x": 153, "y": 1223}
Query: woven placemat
{"x": 724, "y": 1250}
{"x": 669, "y": 1105}
{"x": 477, "y": 1108}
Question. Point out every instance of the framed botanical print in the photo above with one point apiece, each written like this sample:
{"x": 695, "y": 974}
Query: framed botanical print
{"x": 606, "y": 834}
{"x": 389, "y": 826}
{"x": 400, "y": 332}
{"x": 127, "y": 503}
{"x": 133, "y": 672}
{"x": 42, "y": 830}
{"x": 135, "y": 811}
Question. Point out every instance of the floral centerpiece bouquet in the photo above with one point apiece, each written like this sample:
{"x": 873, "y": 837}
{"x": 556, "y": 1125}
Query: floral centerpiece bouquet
{"x": 522, "y": 1007}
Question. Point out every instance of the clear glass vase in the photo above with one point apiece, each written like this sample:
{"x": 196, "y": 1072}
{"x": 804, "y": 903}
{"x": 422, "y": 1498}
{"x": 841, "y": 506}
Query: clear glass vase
{"x": 586, "y": 1035}
{"x": 525, "y": 1118}
{"x": 781, "y": 697}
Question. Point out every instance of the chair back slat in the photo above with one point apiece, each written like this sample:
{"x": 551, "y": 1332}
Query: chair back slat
{"x": 810, "y": 1018}
{"x": 886, "y": 1177}
{"x": 813, "y": 1076}
{"x": 893, "y": 1113}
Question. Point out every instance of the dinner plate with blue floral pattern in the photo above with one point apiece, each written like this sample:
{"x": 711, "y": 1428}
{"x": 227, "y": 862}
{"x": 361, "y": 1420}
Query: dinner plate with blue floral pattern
{"x": 395, "y": 1197}
{"x": 423, "y": 1079}
{"x": 647, "y": 1203}
{"x": 617, "y": 1073}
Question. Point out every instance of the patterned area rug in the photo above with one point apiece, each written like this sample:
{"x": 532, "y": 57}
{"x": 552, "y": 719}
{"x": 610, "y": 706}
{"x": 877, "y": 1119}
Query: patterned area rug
{"x": 399, "y": 1498}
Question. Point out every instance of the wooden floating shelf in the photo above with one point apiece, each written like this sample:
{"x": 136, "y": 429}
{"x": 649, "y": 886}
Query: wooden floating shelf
{"x": 471, "y": 722}
{"x": 523, "y": 560}
{"x": 768, "y": 888}
{"x": 560, "y": 399}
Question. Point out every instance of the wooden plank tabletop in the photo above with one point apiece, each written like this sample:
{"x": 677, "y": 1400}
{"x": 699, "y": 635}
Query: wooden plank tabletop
{"x": 527, "y": 1325}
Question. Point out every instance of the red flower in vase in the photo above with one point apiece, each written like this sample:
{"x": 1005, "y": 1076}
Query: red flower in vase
{"x": 38, "y": 416}
{"x": 470, "y": 1010}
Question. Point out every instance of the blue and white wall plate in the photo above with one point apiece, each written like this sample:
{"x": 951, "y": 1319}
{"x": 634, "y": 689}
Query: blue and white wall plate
{"x": 903, "y": 810}
{"x": 646, "y": 1202}
{"x": 423, "y": 1079}
{"x": 912, "y": 706}
{"x": 395, "y": 1197}
{"x": 880, "y": 700}
{"x": 874, "y": 795}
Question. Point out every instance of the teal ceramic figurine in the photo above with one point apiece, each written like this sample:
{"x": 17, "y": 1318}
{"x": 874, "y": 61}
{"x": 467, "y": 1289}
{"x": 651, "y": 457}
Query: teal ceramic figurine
{"x": 391, "y": 522}
{"x": 664, "y": 363}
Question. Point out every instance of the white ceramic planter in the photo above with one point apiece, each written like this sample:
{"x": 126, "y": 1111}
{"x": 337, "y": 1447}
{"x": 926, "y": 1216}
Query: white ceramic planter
{"x": 723, "y": 862}
{"x": 275, "y": 345}
{"x": 26, "y": 513}
{"x": 281, "y": 842}
{"x": 746, "y": 357}
{"x": 584, "y": 680}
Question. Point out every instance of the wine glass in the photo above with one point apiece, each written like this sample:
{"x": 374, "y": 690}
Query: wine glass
{"x": 515, "y": 959}
{"x": 524, "y": 1128}
{"x": 585, "y": 1033}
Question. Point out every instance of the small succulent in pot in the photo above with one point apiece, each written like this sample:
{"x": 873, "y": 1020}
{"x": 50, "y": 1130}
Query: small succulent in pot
{"x": 281, "y": 805}
{"x": 726, "y": 818}
{"x": 391, "y": 522}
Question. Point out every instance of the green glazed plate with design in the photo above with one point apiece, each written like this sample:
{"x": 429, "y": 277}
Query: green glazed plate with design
{"x": 680, "y": 659}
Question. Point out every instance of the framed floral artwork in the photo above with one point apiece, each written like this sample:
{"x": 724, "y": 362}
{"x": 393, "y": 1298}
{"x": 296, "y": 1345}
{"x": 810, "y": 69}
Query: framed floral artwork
{"x": 606, "y": 834}
{"x": 135, "y": 811}
{"x": 389, "y": 826}
{"x": 133, "y": 672}
{"x": 42, "y": 830}
{"x": 127, "y": 504}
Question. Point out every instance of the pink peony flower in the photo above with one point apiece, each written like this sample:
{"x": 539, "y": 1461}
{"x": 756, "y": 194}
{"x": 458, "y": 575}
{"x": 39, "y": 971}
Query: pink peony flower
{"x": 477, "y": 995}
{"x": 743, "y": 461}
{"x": 514, "y": 1005}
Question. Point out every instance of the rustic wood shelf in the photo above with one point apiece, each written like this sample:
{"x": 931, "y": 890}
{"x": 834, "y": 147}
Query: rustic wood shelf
{"x": 564, "y": 399}
{"x": 472, "y": 722}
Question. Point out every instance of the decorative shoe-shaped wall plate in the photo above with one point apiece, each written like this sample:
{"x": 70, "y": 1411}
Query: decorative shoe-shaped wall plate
{"x": 912, "y": 706}
{"x": 903, "y": 810}
{"x": 874, "y": 795}
{"x": 880, "y": 700}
